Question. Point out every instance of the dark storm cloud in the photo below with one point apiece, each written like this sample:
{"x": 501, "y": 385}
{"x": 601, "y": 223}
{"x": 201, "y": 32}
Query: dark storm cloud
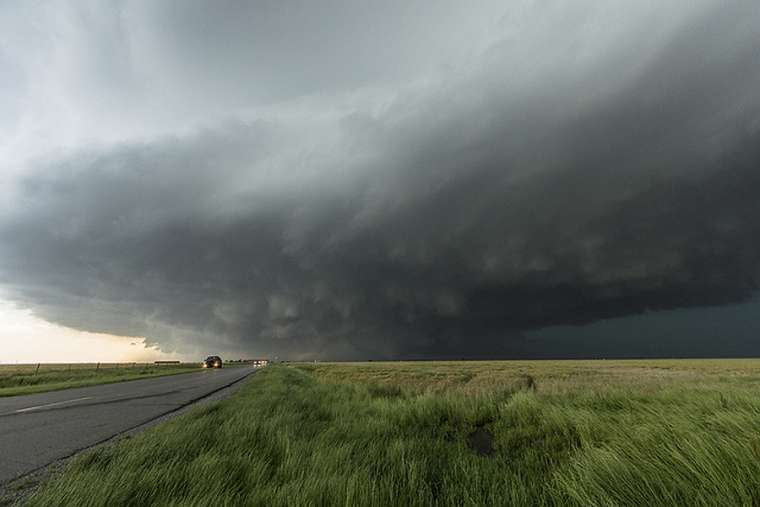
{"x": 522, "y": 193}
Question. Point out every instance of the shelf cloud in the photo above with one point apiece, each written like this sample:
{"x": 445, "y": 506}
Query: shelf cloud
{"x": 333, "y": 183}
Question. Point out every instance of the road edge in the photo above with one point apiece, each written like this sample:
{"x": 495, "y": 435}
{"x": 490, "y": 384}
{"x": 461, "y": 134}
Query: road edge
{"x": 17, "y": 490}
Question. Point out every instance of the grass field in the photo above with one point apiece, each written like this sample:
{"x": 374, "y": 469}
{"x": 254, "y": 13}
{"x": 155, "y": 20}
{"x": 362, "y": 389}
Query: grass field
{"x": 584, "y": 433}
{"x": 33, "y": 378}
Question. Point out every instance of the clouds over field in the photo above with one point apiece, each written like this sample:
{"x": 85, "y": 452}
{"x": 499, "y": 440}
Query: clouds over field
{"x": 342, "y": 183}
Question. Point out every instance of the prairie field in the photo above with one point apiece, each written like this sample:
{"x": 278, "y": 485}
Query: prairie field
{"x": 18, "y": 379}
{"x": 544, "y": 433}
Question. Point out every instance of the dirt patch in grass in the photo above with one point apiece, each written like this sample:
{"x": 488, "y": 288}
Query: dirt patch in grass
{"x": 481, "y": 442}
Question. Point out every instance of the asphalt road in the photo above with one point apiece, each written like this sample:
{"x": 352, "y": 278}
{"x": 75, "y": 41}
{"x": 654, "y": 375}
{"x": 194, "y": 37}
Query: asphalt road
{"x": 38, "y": 429}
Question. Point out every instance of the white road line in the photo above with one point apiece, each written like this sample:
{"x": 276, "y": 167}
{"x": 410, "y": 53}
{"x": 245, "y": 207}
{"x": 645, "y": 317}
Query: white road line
{"x": 29, "y": 409}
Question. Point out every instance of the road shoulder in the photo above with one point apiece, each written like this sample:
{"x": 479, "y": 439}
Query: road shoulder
{"x": 16, "y": 491}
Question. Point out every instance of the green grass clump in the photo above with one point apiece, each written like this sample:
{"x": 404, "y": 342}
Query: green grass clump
{"x": 447, "y": 434}
{"x": 28, "y": 379}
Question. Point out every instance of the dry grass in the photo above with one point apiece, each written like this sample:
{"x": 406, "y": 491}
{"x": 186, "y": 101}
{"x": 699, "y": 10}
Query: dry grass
{"x": 548, "y": 377}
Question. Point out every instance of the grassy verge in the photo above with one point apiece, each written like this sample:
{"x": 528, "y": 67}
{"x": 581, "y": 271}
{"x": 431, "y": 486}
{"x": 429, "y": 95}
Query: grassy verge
{"x": 565, "y": 433}
{"x": 28, "y": 379}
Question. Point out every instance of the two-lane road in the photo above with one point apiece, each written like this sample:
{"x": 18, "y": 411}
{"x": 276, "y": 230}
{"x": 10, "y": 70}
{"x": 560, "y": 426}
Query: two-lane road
{"x": 38, "y": 429}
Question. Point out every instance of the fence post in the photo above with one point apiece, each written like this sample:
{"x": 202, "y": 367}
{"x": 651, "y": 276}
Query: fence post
{"x": 38, "y": 369}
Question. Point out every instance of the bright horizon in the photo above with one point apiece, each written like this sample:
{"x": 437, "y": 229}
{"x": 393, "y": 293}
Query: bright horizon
{"x": 25, "y": 339}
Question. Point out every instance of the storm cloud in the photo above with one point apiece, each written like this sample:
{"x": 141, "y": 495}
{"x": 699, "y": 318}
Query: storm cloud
{"x": 579, "y": 163}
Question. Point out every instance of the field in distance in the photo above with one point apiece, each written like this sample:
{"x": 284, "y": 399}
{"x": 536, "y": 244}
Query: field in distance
{"x": 585, "y": 433}
{"x": 18, "y": 379}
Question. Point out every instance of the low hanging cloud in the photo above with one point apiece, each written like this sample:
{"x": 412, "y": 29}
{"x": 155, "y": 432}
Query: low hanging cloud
{"x": 527, "y": 189}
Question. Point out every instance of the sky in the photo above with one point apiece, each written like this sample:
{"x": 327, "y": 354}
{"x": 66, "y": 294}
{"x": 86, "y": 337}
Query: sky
{"x": 355, "y": 180}
{"x": 26, "y": 339}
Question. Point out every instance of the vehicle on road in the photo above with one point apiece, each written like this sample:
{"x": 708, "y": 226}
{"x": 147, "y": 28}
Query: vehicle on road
{"x": 212, "y": 362}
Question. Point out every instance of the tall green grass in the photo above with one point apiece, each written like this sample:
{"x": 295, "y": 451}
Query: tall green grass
{"x": 333, "y": 435}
